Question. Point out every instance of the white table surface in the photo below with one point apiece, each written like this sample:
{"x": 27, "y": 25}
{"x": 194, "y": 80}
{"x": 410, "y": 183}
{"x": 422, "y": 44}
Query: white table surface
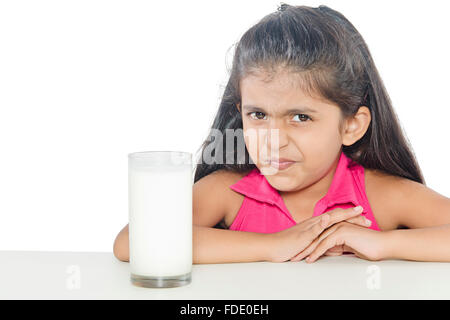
{"x": 99, "y": 275}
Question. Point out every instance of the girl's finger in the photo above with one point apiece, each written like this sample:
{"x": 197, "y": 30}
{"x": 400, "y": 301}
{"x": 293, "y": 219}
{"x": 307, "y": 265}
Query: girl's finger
{"x": 330, "y": 218}
{"x": 323, "y": 246}
{"x": 313, "y": 244}
{"x": 339, "y": 214}
{"x": 317, "y": 228}
{"x": 305, "y": 251}
{"x": 361, "y": 221}
{"x": 328, "y": 253}
{"x": 336, "y": 249}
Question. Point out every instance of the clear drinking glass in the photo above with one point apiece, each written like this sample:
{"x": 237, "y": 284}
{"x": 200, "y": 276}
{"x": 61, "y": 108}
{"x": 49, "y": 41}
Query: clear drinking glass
{"x": 160, "y": 218}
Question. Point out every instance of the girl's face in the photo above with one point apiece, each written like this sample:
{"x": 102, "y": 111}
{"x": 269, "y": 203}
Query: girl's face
{"x": 309, "y": 135}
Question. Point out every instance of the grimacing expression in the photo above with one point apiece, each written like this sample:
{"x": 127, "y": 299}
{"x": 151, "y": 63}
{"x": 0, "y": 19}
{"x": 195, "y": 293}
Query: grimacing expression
{"x": 308, "y": 129}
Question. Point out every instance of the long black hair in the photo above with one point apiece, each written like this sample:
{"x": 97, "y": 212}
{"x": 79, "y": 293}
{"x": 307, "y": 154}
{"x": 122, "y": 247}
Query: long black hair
{"x": 333, "y": 60}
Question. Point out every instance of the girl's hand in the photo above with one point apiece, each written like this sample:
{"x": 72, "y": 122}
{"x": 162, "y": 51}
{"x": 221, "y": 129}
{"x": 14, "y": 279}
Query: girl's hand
{"x": 365, "y": 243}
{"x": 289, "y": 242}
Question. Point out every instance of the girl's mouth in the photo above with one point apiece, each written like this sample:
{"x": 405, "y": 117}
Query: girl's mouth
{"x": 282, "y": 165}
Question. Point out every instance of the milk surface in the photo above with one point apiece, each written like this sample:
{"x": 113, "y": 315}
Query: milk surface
{"x": 160, "y": 220}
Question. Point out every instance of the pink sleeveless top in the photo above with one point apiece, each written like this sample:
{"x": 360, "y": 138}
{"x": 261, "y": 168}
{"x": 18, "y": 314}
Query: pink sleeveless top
{"x": 263, "y": 209}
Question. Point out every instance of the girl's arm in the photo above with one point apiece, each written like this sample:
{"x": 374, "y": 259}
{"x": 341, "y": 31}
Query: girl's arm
{"x": 427, "y": 215}
{"x": 423, "y": 244}
{"x": 212, "y": 245}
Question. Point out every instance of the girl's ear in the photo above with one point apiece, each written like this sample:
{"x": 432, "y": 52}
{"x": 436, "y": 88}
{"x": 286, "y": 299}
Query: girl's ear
{"x": 356, "y": 126}
{"x": 238, "y": 107}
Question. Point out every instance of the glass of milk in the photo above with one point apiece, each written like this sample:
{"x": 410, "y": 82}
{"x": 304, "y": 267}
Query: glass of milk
{"x": 160, "y": 218}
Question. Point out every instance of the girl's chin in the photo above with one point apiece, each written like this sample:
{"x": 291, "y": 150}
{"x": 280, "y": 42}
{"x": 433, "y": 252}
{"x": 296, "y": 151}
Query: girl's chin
{"x": 282, "y": 184}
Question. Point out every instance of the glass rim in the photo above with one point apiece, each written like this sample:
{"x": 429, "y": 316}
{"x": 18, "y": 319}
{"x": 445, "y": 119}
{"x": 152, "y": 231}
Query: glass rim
{"x": 144, "y": 154}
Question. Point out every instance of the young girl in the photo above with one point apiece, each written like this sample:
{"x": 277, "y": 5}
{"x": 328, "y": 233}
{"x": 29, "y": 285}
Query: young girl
{"x": 307, "y": 74}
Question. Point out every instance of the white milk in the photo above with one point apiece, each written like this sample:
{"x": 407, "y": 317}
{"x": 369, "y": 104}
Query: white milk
{"x": 160, "y": 220}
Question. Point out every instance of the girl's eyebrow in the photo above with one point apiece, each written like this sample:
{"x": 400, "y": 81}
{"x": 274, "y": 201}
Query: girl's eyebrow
{"x": 288, "y": 111}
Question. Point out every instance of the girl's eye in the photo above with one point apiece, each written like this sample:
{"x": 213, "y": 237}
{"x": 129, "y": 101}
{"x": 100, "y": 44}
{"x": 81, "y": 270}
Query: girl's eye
{"x": 305, "y": 117}
{"x": 256, "y": 112}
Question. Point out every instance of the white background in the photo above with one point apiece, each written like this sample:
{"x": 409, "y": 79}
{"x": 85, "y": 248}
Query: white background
{"x": 84, "y": 83}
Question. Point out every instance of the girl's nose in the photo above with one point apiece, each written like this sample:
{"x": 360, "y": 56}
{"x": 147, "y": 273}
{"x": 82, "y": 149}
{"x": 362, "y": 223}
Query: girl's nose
{"x": 277, "y": 138}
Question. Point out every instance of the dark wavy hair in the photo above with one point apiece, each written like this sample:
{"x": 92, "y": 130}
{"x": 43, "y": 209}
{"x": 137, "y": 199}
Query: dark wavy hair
{"x": 333, "y": 60}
